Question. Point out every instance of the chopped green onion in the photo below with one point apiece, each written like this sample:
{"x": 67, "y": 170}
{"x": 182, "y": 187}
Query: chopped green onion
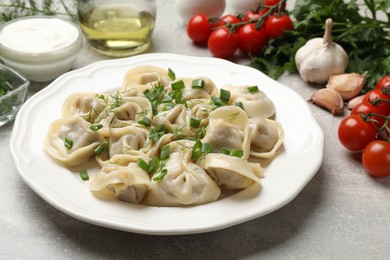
{"x": 178, "y": 85}
{"x": 96, "y": 127}
{"x": 5, "y": 85}
{"x": 224, "y": 95}
{"x": 197, "y": 83}
{"x": 217, "y": 101}
{"x": 165, "y": 151}
{"x": 68, "y": 143}
{"x": 145, "y": 121}
{"x": 153, "y": 165}
{"x": 236, "y": 153}
{"x": 168, "y": 106}
{"x": 253, "y": 89}
{"x": 100, "y": 149}
{"x": 168, "y": 98}
{"x": 225, "y": 151}
{"x": 84, "y": 175}
{"x": 161, "y": 175}
{"x": 171, "y": 74}
{"x": 196, "y": 150}
{"x": 239, "y": 104}
{"x": 149, "y": 94}
{"x": 206, "y": 148}
{"x": 142, "y": 164}
{"x": 194, "y": 122}
{"x": 178, "y": 97}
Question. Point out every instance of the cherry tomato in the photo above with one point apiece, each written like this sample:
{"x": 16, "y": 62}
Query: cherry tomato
{"x": 355, "y": 134}
{"x": 250, "y": 39}
{"x": 376, "y": 158}
{"x": 228, "y": 19}
{"x": 199, "y": 28}
{"x": 223, "y": 43}
{"x": 273, "y": 3}
{"x": 365, "y": 108}
{"x": 252, "y": 15}
{"x": 276, "y": 25}
{"x": 377, "y": 94}
{"x": 384, "y": 82}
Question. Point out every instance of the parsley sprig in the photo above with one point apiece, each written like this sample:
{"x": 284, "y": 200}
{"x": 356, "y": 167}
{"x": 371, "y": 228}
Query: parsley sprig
{"x": 364, "y": 37}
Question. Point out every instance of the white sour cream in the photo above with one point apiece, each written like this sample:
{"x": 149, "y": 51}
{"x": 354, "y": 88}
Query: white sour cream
{"x": 38, "y": 35}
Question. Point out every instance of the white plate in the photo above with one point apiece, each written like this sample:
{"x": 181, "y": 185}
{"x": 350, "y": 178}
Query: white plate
{"x": 285, "y": 177}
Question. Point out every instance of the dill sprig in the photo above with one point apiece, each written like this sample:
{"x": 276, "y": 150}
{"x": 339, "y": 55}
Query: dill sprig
{"x": 21, "y": 8}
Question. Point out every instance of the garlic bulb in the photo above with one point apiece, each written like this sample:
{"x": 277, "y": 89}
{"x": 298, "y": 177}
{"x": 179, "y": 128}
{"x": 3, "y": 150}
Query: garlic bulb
{"x": 329, "y": 99}
{"x": 321, "y": 57}
{"x": 348, "y": 85}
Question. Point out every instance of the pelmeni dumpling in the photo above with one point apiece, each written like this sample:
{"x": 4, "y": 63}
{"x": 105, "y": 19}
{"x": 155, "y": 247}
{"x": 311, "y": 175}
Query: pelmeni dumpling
{"x": 75, "y": 133}
{"x": 127, "y": 183}
{"x": 228, "y": 128}
{"x": 266, "y": 137}
{"x": 123, "y": 111}
{"x": 230, "y": 172}
{"x": 177, "y": 118}
{"x": 83, "y": 104}
{"x": 125, "y": 139}
{"x": 145, "y": 75}
{"x": 185, "y": 183}
{"x": 255, "y": 104}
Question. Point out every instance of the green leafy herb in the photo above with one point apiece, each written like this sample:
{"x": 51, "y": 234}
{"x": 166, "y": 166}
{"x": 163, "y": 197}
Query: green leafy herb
{"x": 20, "y": 8}
{"x": 365, "y": 38}
{"x": 194, "y": 122}
{"x": 157, "y": 132}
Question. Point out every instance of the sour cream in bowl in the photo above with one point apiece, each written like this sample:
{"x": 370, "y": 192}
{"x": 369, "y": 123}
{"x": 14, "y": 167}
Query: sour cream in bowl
{"x": 41, "y": 48}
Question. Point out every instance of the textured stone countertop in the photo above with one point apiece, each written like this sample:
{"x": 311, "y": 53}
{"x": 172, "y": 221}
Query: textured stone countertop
{"x": 341, "y": 213}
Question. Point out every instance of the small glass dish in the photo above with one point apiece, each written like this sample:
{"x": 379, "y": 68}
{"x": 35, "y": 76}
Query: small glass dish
{"x": 13, "y": 89}
{"x": 41, "y": 48}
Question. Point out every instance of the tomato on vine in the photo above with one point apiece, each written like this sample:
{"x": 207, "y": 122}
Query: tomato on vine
{"x": 365, "y": 108}
{"x": 384, "y": 82}
{"x": 223, "y": 43}
{"x": 251, "y": 40}
{"x": 378, "y": 97}
{"x": 199, "y": 28}
{"x": 275, "y": 25}
{"x": 376, "y": 158}
{"x": 275, "y": 2}
{"x": 355, "y": 133}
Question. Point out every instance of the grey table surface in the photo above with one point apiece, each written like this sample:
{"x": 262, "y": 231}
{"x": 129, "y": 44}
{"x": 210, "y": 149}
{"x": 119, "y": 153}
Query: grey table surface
{"x": 341, "y": 213}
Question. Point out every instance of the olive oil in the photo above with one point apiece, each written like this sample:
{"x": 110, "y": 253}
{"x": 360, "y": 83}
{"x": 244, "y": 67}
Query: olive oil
{"x": 117, "y": 31}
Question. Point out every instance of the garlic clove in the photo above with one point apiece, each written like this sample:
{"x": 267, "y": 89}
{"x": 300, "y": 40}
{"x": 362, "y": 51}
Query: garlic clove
{"x": 348, "y": 85}
{"x": 329, "y": 99}
{"x": 355, "y": 101}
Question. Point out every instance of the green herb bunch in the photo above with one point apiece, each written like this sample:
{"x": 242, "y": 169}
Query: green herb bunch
{"x": 20, "y": 8}
{"x": 365, "y": 38}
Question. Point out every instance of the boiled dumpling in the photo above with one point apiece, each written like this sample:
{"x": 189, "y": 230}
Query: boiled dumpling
{"x": 127, "y": 183}
{"x": 231, "y": 172}
{"x": 71, "y": 141}
{"x": 207, "y": 91}
{"x": 185, "y": 183}
{"x": 228, "y": 128}
{"x": 266, "y": 137}
{"x": 255, "y": 104}
{"x": 85, "y": 105}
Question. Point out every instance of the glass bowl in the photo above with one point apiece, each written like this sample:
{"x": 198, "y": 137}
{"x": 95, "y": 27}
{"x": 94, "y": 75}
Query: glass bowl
{"x": 13, "y": 89}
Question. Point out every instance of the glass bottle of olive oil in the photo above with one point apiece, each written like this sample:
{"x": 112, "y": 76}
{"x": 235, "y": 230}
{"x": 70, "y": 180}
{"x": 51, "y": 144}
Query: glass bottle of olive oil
{"x": 117, "y": 27}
